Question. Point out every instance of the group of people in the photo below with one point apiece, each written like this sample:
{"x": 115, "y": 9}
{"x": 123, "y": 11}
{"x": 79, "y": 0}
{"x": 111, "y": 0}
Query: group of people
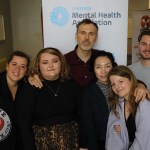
{"x": 80, "y": 100}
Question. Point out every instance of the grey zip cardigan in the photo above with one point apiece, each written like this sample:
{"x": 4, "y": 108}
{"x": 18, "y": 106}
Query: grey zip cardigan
{"x": 142, "y": 134}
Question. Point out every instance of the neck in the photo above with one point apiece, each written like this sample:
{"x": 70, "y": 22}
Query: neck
{"x": 84, "y": 55}
{"x": 145, "y": 62}
{"x": 102, "y": 82}
{"x": 13, "y": 85}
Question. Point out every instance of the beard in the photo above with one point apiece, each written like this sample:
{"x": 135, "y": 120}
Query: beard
{"x": 145, "y": 56}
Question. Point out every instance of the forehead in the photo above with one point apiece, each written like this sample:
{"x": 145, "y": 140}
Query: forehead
{"x": 145, "y": 38}
{"x": 102, "y": 60}
{"x": 117, "y": 78}
{"x": 19, "y": 59}
{"x": 87, "y": 27}
{"x": 48, "y": 56}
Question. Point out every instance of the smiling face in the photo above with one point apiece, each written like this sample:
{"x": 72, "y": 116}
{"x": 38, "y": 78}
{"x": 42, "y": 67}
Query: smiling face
{"x": 16, "y": 68}
{"x": 102, "y": 67}
{"x": 49, "y": 66}
{"x": 120, "y": 85}
{"x": 144, "y": 47}
{"x": 86, "y": 36}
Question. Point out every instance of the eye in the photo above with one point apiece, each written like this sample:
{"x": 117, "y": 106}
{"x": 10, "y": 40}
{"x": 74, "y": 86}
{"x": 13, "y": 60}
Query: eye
{"x": 121, "y": 81}
{"x": 143, "y": 44}
{"x": 82, "y": 32}
{"x": 108, "y": 66}
{"x": 92, "y": 33}
{"x": 97, "y": 67}
{"x": 44, "y": 62}
{"x": 23, "y": 67}
{"x": 55, "y": 61}
{"x": 14, "y": 64}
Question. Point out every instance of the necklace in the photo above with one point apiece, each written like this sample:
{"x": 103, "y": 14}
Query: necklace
{"x": 55, "y": 93}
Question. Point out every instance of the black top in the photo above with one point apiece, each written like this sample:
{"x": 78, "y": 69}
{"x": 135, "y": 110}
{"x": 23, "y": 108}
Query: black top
{"x": 42, "y": 107}
{"x": 95, "y": 116}
{"x": 131, "y": 127}
{"x": 9, "y": 139}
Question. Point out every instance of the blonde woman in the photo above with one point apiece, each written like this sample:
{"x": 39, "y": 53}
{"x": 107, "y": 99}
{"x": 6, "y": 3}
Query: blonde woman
{"x": 49, "y": 117}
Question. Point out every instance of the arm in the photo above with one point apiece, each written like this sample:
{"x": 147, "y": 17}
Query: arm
{"x": 35, "y": 80}
{"x": 88, "y": 120}
{"x": 114, "y": 140}
{"x": 141, "y": 92}
{"x": 25, "y": 110}
{"x": 142, "y": 135}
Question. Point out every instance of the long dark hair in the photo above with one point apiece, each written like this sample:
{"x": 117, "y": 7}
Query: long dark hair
{"x": 101, "y": 54}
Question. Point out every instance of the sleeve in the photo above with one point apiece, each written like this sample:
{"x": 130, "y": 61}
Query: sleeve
{"x": 88, "y": 120}
{"x": 142, "y": 135}
{"x": 25, "y": 111}
{"x": 113, "y": 140}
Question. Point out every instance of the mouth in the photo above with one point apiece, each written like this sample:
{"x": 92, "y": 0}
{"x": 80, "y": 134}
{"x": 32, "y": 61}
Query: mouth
{"x": 16, "y": 74}
{"x": 86, "y": 43}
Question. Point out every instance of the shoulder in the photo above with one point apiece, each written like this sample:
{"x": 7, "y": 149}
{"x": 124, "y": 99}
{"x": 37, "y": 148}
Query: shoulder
{"x": 134, "y": 65}
{"x": 71, "y": 57}
{"x": 93, "y": 90}
{"x": 28, "y": 87}
{"x": 69, "y": 53}
{"x": 144, "y": 104}
{"x": 95, "y": 51}
{"x": 144, "y": 108}
{"x": 90, "y": 87}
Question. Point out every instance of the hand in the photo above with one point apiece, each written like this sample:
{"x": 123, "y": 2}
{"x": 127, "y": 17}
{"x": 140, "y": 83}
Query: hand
{"x": 140, "y": 93}
{"x": 83, "y": 149}
{"x": 35, "y": 81}
{"x": 117, "y": 129}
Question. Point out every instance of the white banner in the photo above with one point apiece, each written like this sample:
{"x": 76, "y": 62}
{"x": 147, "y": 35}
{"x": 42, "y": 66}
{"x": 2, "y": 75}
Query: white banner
{"x": 61, "y": 16}
{"x": 140, "y": 22}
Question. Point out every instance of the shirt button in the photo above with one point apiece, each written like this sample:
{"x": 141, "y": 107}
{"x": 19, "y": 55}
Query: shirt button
{"x": 85, "y": 76}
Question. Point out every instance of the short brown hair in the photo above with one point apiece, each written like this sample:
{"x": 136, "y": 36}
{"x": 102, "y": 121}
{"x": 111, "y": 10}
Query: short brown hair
{"x": 87, "y": 21}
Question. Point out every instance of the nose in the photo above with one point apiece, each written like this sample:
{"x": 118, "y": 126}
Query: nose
{"x": 103, "y": 69}
{"x": 50, "y": 64}
{"x": 148, "y": 47}
{"x": 17, "y": 68}
{"x": 86, "y": 36}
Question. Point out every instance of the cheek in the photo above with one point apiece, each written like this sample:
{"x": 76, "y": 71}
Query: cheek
{"x": 114, "y": 89}
{"x": 23, "y": 72}
{"x": 97, "y": 72}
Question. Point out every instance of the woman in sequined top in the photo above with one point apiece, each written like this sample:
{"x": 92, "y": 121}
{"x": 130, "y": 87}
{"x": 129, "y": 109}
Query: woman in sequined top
{"x": 49, "y": 117}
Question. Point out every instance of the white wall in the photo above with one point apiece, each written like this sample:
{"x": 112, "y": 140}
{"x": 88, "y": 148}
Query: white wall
{"x": 26, "y": 26}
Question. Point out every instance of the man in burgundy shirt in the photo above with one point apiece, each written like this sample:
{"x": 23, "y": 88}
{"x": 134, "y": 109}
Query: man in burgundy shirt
{"x": 79, "y": 58}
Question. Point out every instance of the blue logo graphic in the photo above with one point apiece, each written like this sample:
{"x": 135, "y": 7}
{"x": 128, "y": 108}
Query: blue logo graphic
{"x": 59, "y": 16}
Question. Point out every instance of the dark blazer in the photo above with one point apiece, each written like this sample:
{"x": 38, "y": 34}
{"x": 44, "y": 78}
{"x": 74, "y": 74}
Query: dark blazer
{"x": 9, "y": 135}
{"x": 95, "y": 116}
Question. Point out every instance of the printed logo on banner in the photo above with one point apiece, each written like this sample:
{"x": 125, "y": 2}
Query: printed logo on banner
{"x": 59, "y": 16}
{"x": 5, "y": 125}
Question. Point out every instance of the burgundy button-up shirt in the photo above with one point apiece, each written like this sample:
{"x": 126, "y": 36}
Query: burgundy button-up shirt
{"x": 79, "y": 70}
